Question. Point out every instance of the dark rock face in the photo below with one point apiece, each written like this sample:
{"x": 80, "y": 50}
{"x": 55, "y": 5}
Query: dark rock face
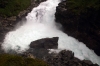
{"x": 66, "y": 58}
{"x": 39, "y": 48}
{"x": 38, "y": 53}
{"x": 85, "y": 27}
{"x": 46, "y": 43}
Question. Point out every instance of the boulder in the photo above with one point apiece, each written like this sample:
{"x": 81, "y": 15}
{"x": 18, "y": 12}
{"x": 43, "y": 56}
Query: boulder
{"x": 66, "y": 58}
{"x": 39, "y": 48}
{"x": 46, "y": 43}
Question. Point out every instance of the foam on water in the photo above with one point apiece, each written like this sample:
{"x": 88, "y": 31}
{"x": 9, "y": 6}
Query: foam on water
{"x": 40, "y": 24}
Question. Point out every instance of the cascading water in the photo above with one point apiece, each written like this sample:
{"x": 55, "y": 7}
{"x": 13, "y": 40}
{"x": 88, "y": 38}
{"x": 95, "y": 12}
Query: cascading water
{"x": 40, "y": 24}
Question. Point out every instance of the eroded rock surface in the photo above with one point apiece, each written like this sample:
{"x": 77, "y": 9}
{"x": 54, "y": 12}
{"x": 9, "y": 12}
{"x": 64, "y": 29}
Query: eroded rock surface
{"x": 66, "y": 58}
{"x": 46, "y": 43}
{"x": 83, "y": 26}
{"x": 39, "y": 48}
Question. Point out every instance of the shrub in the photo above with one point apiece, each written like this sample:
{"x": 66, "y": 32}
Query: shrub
{"x": 82, "y": 6}
{"x": 12, "y": 7}
{"x": 14, "y": 60}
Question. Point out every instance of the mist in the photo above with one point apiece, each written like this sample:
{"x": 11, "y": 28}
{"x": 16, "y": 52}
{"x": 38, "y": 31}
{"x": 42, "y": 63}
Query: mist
{"x": 40, "y": 23}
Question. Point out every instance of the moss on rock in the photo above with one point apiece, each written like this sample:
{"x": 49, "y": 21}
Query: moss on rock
{"x": 15, "y": 60}
{"x": 12, "y": 7}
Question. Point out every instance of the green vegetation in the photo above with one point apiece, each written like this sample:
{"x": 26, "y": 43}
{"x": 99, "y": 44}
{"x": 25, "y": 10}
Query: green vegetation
{"x": 14, "y": 60}
{"x": 82, "y": 6}
{"x": 12, "y": 7}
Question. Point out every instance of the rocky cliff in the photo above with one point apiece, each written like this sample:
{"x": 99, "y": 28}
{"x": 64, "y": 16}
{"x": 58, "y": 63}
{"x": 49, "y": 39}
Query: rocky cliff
{"x": 81, "y": 19}
{"x": 66, "y": 58}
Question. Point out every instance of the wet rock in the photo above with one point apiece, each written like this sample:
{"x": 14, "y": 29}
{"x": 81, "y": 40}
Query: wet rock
{"x": 66, "y": 58}
{"x": 22, "y": 13}
{"x": 13, "y": 18}
{"x": 38, "y": 53}
{"x": 84, "y": 26}
{"x": 46, "y": 43}
{"x": 39, "y": 48}
{"x": 87, "y": 61}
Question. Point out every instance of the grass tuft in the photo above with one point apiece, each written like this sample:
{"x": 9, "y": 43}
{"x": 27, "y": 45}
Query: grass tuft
{"x": 14, "y": 60}
{"x": 12, "y": 7}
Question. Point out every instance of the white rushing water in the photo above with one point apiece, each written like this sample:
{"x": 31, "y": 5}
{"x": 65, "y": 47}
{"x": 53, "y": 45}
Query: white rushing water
{"x": 40, "y": 24}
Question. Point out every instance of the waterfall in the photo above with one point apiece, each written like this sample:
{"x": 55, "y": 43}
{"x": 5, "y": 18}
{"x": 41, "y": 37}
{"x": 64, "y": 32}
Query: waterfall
{"x": 41, "y": 23}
